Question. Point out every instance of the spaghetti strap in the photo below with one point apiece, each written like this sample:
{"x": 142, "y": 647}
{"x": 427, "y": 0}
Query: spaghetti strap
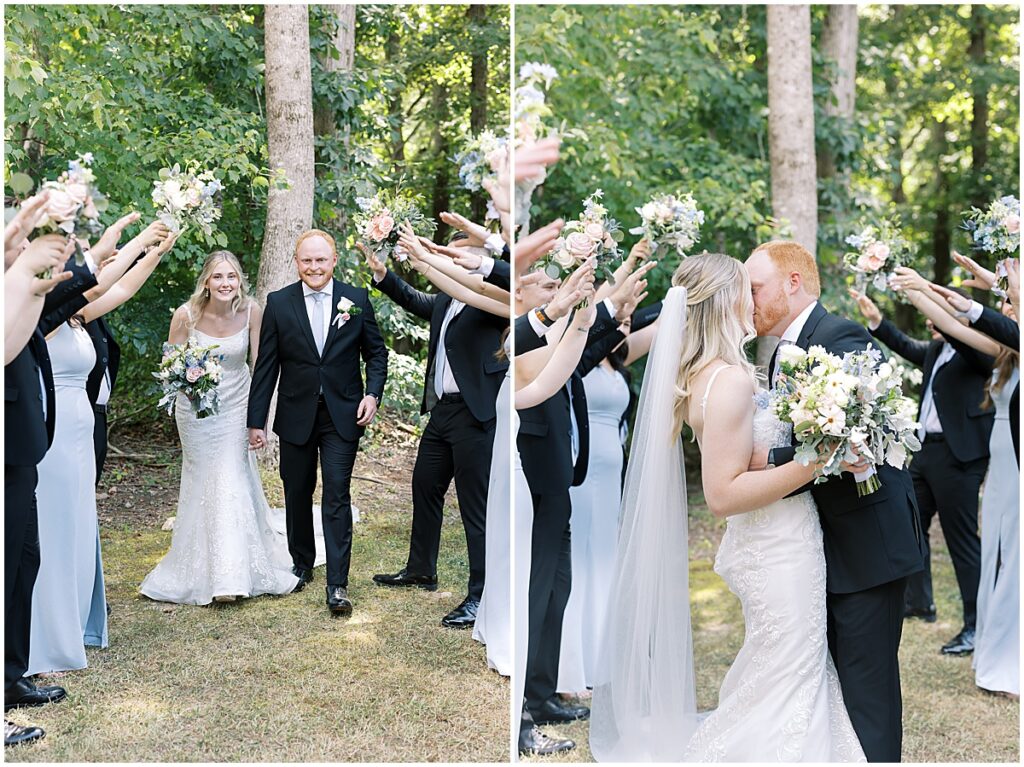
{"x": 707, "y": 391}
{"x": 248, "y": 314}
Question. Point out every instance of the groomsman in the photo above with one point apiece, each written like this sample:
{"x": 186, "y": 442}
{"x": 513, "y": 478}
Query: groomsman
{"x": 949, "y": 469}
{"x": 30, "y": 415}
{"x": 461, "y": 385}
{"x": 554, "y": 442}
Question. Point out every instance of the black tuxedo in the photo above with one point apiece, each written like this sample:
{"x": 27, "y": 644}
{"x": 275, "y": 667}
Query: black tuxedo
{"x": 317, "y": 400}
{"x": 951, "y": 465}
{"x": 871, "y": 545}
{"x": 545, "y": 447}
{"x": 459, "y": 438}
{"x": 526, "y": 338}
{"x": 28, "y": 387}
{"x": 1007, "y": 332}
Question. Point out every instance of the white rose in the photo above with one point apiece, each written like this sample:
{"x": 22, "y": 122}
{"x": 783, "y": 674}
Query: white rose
{"x": 792, "y": 354}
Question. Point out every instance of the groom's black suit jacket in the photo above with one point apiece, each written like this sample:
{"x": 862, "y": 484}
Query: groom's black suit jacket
{"x": 958, "y": 389}
{"x": 471, "y": 342}
{"x": 871, "y": 540}
{"x": 287, "y": 348}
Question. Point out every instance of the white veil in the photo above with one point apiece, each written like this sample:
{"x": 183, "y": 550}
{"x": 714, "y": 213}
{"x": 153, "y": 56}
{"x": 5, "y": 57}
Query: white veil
{"x": 644, "y": 707}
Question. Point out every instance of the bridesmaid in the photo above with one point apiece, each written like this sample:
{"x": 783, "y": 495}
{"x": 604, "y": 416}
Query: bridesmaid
{"x": 69, "y": 607}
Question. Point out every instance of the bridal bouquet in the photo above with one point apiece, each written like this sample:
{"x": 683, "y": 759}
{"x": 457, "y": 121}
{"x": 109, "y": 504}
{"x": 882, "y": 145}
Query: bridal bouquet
{"x": 74, "y": 204}
{"x": 594, "y": 234}
{"x": 378, "y": 219}
{"x": 670, "y": 222}
{"x": 530, "y": 102}
{"x": 184, "y": 199}
{"x": 880, "y": 249}
{"x": 842, "y": 408}
{"x": 192, "y": 370}
{"x": 479, "y": 159}
{"x": 996, "y": 230}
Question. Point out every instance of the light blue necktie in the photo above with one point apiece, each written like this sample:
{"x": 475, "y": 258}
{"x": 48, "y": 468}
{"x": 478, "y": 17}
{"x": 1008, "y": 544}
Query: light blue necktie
{"x": 318, "y": 321}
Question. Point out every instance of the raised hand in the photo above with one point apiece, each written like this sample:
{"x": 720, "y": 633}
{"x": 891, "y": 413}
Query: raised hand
{"x": 460, "y": 256}
{"x": 534, "y": 158}
{"x": 631, "y": 291}
{"x": 477, "y": 234}
{"x": 373, "y": 261}
{"x": 105, "y": 246}
{"x": 44, "y": 258}
{"x": 1013, "y": 282}
{"x": 983, "y": 279}
{"x": 904, "y": 279}
{"x": 957, "y": 302}
{"x": 24, "y": 221}
{"x": 867, "y": 307}
{"x": 580, "y": 285}
{"x": 641, "y": 251}
{"x": 537, "y": 244}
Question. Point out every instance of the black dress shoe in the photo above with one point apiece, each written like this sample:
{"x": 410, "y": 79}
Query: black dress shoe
{"x": 15, "y": 734}
{"x": 338, "y": 602}
{"x": 23, "y": 693}
{"x": 555, "y": 711}
{"x": 403, "y": 578}
{"x": 463, "y": 616}
{"x": 928, "y": 615}
{"x": 961, "y": 644}
{"x": 533, "y": 741}
{"x": 304, "y": 576}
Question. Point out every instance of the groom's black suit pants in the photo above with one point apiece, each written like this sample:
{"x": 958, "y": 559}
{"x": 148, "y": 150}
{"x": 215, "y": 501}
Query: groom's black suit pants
{"x": 298, "y": 473}
{"x": 454, "y": 445}
{"x": 864, "y": 631}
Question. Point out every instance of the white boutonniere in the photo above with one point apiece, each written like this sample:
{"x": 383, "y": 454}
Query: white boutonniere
{"x": 346, "y": 311}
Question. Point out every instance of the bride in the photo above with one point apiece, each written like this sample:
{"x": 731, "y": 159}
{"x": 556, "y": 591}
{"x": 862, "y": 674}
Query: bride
{"x": 781, "y": 699}
{"x": 225, "y": 543}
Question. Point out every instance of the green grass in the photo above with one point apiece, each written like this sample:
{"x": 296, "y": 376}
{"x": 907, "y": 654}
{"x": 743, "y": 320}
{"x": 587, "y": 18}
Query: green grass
{"x": 276, "y": 678}
{"x": 945, "y": 717}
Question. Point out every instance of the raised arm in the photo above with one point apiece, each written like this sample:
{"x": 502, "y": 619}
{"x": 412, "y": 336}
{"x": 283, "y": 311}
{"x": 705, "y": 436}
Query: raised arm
{"x": 126, "y": 287}
{"x": 561, "y": 363}
{"x": 398, "y": 290}
{"x": 949, "y": 326}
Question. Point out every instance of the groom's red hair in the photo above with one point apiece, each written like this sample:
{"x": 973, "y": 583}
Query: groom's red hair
{"x": 790, "y": 257}
{"x": 315, "y": 233}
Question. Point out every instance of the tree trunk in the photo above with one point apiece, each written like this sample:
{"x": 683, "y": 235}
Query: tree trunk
{"x": 941, "y": 235}
{"x": 791, "y": 121}
{"x": 477, "y": 17}
{"x": 395, "y": 111}
{"x": 345, "y": 45}
{"x": 839, "y": 48}
{"x": 439, "y": 149}
{"x": 979, "y": 113}
{"x": 289, "y": 99}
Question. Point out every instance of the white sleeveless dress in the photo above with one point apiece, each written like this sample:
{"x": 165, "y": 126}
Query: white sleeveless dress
{"x": 225, "y": 541}
{"x": 780, "y": 699}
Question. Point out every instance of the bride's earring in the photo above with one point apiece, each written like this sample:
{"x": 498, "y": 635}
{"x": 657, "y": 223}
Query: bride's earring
{"x": 206, "y": 292}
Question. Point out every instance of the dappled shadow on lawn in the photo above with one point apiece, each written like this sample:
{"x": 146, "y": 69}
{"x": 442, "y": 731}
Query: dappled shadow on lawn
{"x": 277, "y": 678}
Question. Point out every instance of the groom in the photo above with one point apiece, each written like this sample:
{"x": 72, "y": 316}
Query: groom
{"x": 872, "y": 543}
{"x": 313, "y": 334}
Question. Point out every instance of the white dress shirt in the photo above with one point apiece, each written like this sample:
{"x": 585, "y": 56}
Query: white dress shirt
{"x": 930, "y": 423}
{"x": 792, "y": 333}
{"x": 328, "y": 290}
{"x": 445, "y": 382}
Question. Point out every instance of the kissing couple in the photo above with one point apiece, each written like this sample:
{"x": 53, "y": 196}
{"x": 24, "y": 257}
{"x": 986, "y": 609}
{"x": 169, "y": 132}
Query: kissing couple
{"x": 819, "y": 571}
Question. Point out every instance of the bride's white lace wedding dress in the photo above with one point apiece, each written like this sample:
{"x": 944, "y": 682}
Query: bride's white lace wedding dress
{"x": 781, "y": 699}
{"x": 226, "y": 541}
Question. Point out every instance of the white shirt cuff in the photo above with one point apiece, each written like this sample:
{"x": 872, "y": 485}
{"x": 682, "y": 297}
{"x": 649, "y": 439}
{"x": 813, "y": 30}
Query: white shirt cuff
{"x": 874, "y": 325}
{"x": 609, "y": 306}
{"x": 375, "y": 280}
{"x": 87, "y": 254}
{"x": 538, "y": 327}
{"x": 486, "y": 266}
{"x": 974, "y": 313}
{"x": 495, "y": 243}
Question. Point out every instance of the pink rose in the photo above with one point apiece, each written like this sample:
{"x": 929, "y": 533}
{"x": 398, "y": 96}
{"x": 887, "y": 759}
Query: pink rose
{"x": 579, "y": 245}
{"x": 345, "y": 317}
{"x": 60, "y": 206}
{"x": 594, "y": 231}
{"x": 381, "y": 226}
{"x": 1012, "y": 223}
{"x": 878, "y": 250}
{"x": 869, "y": 263}
{"x": 89, "y": 211}
{"x": 193, "y": 374}
{"x": 78, "y": 192}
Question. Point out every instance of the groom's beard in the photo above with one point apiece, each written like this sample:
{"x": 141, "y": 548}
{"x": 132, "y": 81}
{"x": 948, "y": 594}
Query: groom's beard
{"x": 768, "y": 316}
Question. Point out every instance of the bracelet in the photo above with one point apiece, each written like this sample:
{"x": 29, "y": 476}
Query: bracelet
{"x": 543, "y": 317}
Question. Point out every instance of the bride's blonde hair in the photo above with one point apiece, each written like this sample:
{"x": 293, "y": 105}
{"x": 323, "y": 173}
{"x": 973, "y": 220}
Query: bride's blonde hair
{"x": 718, "y": 307}
{"x": 201, "y": 296}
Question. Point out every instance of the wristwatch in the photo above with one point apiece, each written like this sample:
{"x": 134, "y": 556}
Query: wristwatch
{"x": 771, "y": 459}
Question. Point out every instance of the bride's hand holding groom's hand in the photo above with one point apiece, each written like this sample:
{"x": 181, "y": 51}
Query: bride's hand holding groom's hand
{"x": 257, "y": 439}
